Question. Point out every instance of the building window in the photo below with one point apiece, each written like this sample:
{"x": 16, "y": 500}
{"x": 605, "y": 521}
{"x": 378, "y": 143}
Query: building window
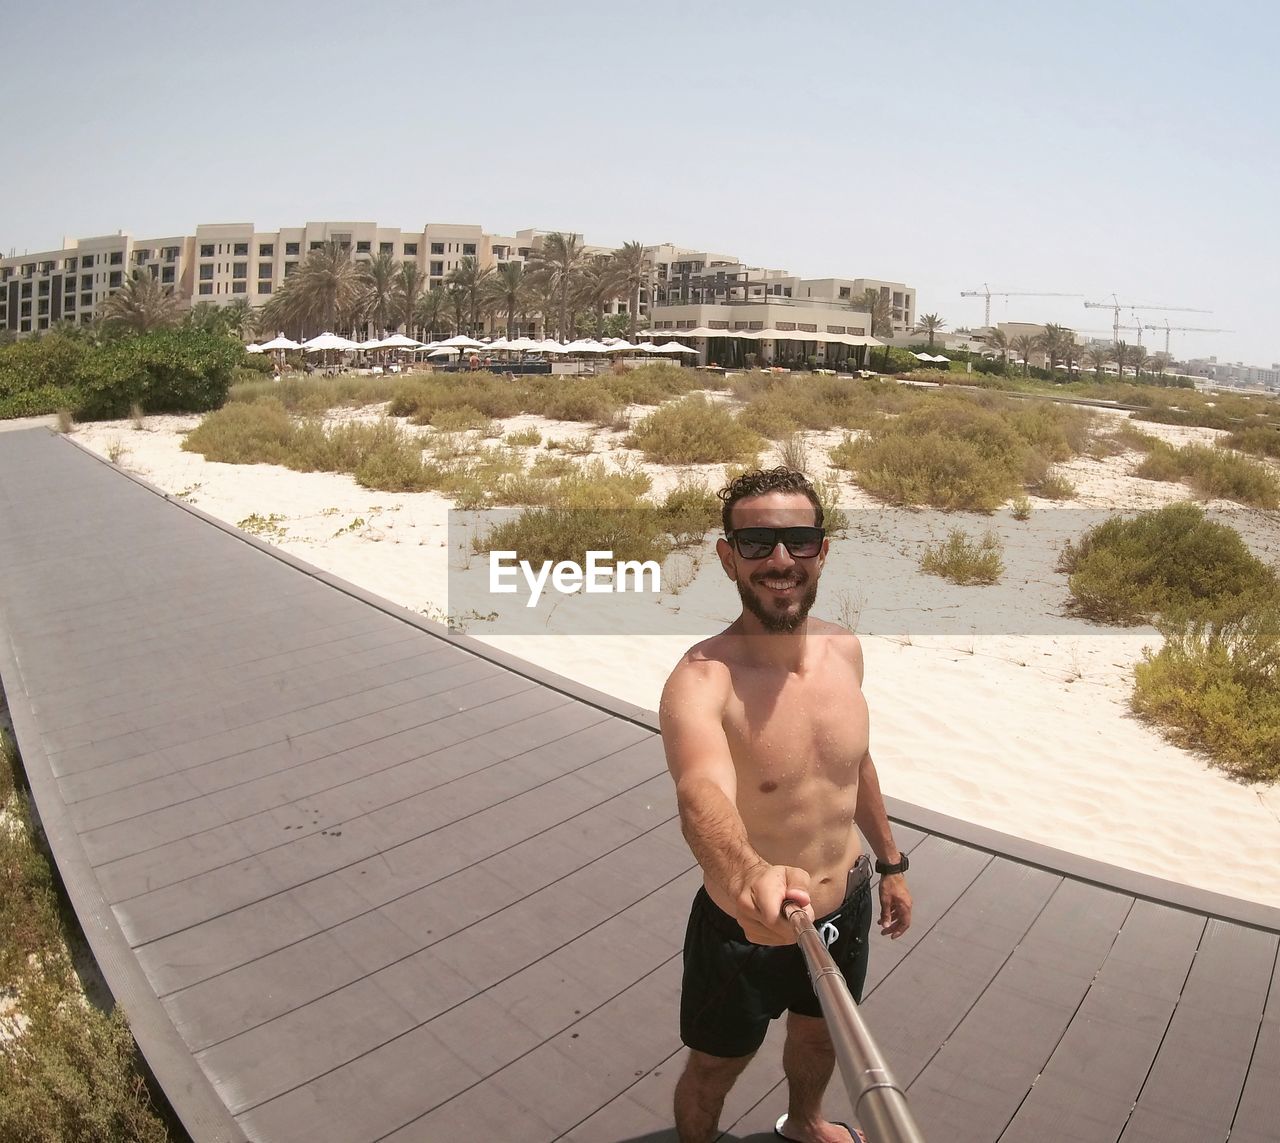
{"x": 69, "y": 303}
{"x": 117, "y": 257}
{"x": 86, "y": 281}
{"x": 844, "y": 292}
{"x": 264, "y": 269}
{"x": 239, "y": 269}
{"x": 42, "y": 288}
{"x": 206, "y": 250}
{"x": 755, "y": 325}
{"x": 437, "y": 248}
{"x": 469, "y": 249}
{"x": 71, "y": 263}
{"x": 386, "y": 247}
{"x": 170, "y": 253}
{"x": 86, "y": 299}
{"x": 241, "y": 250}
{"x": 86, "y": 261}
{"x": 266, "y": 249}
{"x": 289, "y": 268}
{"x": 206, "y": 272}
{"x": 206, "y": 287}
{"x": 238, "y": 287}
{"x": 264, "y": 287}
{"x": 411, "y": 249}
{"x": 364, "y": 247}
{"x": 437, "y": 268}
{"x": 26, "y": 289}
{"x": 116, "y": 278}
{"x": 25, "y": 326}
{"x": 42, "y": 306}
{"x": 166, "y": 274}
{"x": 291, "y": 247}
{"x": 25, "y": 309}
{"x": 315, "y": 246}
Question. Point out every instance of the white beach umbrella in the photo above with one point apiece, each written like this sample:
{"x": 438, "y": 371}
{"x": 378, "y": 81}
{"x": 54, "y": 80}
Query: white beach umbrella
{"x": 462, "y": 341}
{"x": 939, "y": 357}
{"x": 501, "y": 343}
{"x": 444, "y": 351}
{"x": 524, "y": 344}
{"x": 399, "y": 341}
{"x": 327, "y": 340}
{"x": 253, "y": 348}
{"x": 648, "y": 347}
{"x": 550, "y": 346}
{"x": 619, "y": 346}
{"x": 281, "y": 342}
{"x": 675, "y": 347}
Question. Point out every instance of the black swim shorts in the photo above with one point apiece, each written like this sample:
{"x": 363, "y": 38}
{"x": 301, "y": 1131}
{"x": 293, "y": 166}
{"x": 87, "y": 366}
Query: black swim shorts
{"x": 733, "y": 988}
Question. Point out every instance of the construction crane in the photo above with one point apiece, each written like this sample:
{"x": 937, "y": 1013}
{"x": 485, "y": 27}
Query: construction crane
{"x": 1168, "y": 329}
{"x": 988, "y": 293}
{"x": 1116, "y": 305}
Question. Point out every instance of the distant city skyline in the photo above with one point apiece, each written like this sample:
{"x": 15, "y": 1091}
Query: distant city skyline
{"x": 1085, "y": 148}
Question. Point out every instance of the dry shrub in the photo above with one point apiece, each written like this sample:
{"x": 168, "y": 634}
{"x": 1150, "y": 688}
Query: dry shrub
{"x": 1260, "y": 440}
{"x": 651, "y": 384}
{"x": 965, "y": 561}
{"x": 524, "y": 438}
{"x": 1214, "y": 472}
{"x": 694, "y": 431}
{"x": 580, "y": 399}
{"x": 239, "y": 433}
{"x": 565, "y": 533}
{"x": 1055, "y": 487}
{"x": 1215, "y": 686}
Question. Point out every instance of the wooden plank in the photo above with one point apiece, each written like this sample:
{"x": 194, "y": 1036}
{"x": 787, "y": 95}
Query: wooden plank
{"x": 1259, "y": 1111}
{"x": 1198, "y": 1076}
{"x": 1091, "y": 1081}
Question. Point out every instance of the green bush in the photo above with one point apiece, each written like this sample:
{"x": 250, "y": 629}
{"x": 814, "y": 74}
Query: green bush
{"x": 557, "y": 534}
{"x": 43, "y": 374}
{"x": 1215, "y": 686}
{"x": 238, "y": 433}
{"x": 965, "y": 561}
{"x": 580, "y": 399}
{"x": 164, "y": 371}
{"x": 694, "y": 431}
{"x": 1168, "y": 562}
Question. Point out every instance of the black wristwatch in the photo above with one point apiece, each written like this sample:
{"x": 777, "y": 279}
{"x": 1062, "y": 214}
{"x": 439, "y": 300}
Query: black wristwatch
{"x": 886, "y": 870}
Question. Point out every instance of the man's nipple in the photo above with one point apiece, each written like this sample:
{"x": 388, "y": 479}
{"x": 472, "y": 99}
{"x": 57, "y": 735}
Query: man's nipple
{"x": 768, "y": 787}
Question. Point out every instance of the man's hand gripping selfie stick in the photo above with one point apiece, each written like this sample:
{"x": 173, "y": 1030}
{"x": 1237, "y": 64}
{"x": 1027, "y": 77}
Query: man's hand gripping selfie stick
{"x": 878, "y": 1101}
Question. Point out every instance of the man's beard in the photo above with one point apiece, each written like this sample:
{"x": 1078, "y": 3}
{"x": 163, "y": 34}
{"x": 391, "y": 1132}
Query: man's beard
{"x": 779, "y": 622}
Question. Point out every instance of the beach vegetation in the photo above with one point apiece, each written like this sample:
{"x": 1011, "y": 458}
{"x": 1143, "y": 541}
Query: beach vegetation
{"x": 1020, "y": 507}
{"x": 1214, "y": 686}
{"x": 963, "y": 560}
{"x": 1260, "y": 440}
{"x": 140, "y": 305}
{"x": 69, "y": 1070}
{"x": 793, "y": 451}
{"x": 1055, "y": 486}
{"x": 316, "y": 395}
{"x": 65, "y": 421}
{"x": 961, "y": 451}
{"x": 1213, "y": 472}
{"x": 524, "y": 438}
{"x": 1172, "y": 562}
{"x": 694, "y": 431}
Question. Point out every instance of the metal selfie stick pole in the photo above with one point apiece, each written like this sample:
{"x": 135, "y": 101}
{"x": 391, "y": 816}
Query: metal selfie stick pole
{"x": 878, "y": 1101}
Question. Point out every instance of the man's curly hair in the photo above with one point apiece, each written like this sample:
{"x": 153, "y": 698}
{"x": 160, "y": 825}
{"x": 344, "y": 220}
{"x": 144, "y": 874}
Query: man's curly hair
{"x": 759, "y": 482}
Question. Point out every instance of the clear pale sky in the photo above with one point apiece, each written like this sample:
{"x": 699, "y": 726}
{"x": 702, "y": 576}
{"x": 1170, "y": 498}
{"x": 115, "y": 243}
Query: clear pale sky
{"x": 1082, "y": 147}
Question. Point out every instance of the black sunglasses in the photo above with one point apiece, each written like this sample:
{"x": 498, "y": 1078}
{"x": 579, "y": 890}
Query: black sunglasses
{"x": 757, "y": 543}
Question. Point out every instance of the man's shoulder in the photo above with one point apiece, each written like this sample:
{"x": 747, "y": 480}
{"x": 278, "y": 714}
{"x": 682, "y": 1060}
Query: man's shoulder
{"x": 841, "y": 642}
{"x": 703, "y": 669}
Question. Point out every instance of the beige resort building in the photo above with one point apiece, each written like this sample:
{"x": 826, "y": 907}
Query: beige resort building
{"x": 222, "y": 262}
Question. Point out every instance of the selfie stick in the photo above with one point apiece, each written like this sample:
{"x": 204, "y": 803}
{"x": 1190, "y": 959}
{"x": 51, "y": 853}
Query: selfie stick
{"x": 878, "y": 1102}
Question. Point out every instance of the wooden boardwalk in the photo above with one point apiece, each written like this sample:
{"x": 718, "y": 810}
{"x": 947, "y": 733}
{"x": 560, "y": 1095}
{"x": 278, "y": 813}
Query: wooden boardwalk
{"x": 355, "y": 878}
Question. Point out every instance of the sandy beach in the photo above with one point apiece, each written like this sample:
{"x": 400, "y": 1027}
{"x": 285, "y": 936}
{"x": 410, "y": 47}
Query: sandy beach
{"x": 988, "y": 703}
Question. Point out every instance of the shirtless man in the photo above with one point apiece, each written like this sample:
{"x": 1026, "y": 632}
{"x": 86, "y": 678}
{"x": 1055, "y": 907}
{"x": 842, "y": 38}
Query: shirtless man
{"x": 766, "y": 734}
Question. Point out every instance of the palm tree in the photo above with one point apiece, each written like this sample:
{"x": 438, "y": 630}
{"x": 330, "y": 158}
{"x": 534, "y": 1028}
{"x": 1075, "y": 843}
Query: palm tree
{"x": 508, "y": 289}
{"x": 559, "y": 259}
{"x": 324, "y": 293}
{"x": 595, "y": 285}
{"x": 880, "y": 309}
{"x": 998, "y": 339}
{"x": 930, "y": 324}
{"x": 470, "y": 279}
{"x": 141, "y": 304}
{"x": 1120, "y": 351}
{"x": 240, "y": 318}
{"x": 1070, "y": 355}
{"x": 1098, "y": 356}
{"x": 1162, "y": 361}
{"x": 1053, "y": 341}
{"x": 1137, "y": 358}
{"x": 633, "y": 271}
{"x": 456, "y": 295}
{"x": 408, "y": 287}
{"x": 380, "y": 276}
{"x": 1024, "y": 346}
{"x": 431, "y": 312}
